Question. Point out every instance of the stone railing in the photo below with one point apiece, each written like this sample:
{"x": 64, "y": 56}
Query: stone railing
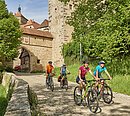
{"x": 19, "y": 95}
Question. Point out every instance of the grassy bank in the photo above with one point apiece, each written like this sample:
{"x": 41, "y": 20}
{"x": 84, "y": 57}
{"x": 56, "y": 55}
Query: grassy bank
{"x": 3, "y": 100}
{"x": 118, "y": 84}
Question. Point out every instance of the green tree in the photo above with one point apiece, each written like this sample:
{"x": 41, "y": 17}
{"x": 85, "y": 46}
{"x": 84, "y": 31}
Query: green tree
{"x": 9, "y": 34}
{"x": 103, "y": 27}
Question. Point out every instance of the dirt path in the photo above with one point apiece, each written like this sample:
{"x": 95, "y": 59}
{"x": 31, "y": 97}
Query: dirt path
{"x": 60, "y": 102}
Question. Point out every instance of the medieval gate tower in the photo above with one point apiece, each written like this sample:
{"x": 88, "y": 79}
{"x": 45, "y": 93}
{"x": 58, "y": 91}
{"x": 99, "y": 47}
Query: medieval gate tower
{"x": 60, "y": 31}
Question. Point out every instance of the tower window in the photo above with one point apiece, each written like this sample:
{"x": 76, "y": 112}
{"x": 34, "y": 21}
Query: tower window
{"x": 70, "y": 6}
{"x": 55, "y": 9}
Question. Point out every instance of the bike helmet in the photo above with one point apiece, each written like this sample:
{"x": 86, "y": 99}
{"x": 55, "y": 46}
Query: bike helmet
{"x": 85, "y": 62}
{"x": 101, "y": 62}
{"x": 50, "y": 62}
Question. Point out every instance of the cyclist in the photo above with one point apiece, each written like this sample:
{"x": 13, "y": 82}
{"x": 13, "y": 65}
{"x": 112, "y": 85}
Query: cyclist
{"x": 97, "y": 73}
{"x": 63, "y": 71}
{"x": 49, "y": 70}
{"x": 81, "y": 80}
{"x": 99, "y": 69}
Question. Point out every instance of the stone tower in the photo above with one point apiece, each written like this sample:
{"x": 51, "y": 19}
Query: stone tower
{"x": 60, "y": 31}
{"x": 20, "y": 17}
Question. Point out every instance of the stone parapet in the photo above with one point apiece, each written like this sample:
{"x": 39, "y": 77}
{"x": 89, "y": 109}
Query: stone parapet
{"x": 19, "y": 103}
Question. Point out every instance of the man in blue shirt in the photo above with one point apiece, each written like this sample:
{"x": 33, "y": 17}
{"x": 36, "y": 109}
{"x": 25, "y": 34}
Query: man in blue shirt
{"x": 99, "y": 69}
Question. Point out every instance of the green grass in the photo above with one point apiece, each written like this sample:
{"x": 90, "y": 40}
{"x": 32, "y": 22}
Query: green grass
{"x": 121, "y": 84}
{"x": 3, "y": 100}
{"x": 118, "y": 84}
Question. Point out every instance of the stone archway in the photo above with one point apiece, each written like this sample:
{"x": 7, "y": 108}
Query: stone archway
{"x": 25, "y": 60}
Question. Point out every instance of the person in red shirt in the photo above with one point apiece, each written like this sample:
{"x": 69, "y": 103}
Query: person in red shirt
{"x": 49, "y": 70}
{"x": 83, "y": 70}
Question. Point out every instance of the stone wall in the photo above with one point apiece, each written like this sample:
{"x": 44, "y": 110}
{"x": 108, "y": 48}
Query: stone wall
{"x": 19, "y": 96}
{"x": 39, "y": 48}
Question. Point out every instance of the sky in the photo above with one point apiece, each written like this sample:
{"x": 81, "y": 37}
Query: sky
{"x": 36, "y": 10}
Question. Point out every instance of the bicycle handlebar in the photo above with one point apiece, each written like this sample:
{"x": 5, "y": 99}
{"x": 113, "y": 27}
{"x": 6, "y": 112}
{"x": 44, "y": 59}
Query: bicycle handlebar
{"x": 90, "y": 80}
{"x": 104, "y": 79}
{"x": 96, "y": 80}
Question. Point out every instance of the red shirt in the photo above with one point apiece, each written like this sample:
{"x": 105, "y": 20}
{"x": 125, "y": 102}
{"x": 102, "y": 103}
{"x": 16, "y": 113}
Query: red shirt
{"x": 84, "y": 71}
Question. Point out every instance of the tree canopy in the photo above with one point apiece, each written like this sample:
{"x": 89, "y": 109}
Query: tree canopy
{"x": 9, "y": 34}
{"x": 103, "y": 28}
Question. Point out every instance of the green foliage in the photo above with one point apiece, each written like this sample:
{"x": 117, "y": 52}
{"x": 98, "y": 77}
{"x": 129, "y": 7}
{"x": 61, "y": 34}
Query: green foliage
{"x": 103, "y": 28}
{"x": 9, "y": 34}
{"x": 71, "y": 49}
{"x": 3, "y": 100}
{"x": 109, "y": 37}
{"x": 3, "y": 10}
{"x": 9, "y": 69}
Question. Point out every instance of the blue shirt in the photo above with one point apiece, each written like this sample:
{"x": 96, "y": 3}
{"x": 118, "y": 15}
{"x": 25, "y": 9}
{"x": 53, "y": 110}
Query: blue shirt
{"x": 100, "y": 70}
{"x": 63, "y": 70}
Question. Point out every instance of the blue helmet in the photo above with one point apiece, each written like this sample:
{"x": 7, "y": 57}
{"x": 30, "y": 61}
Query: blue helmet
{"x": 101, "y": 62}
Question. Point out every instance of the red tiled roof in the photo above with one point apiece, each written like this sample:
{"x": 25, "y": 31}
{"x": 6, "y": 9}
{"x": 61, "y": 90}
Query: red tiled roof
{"x": 31, "y": 31}
{"x": 32, "y": 23}
{"x": 45, "y": 23}
{"x": 18, "y": 14}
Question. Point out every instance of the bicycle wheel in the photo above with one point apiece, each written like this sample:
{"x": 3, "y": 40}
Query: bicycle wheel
{"x": 61, "y": 84}
{"x": 107, "y": 94}
{"x": 66, "y": 84}
{"x": 47, "y": 84}
{"x": 51, "y": 84}
{"x": 77, "y": 97}
{"x": 92, "y": 99}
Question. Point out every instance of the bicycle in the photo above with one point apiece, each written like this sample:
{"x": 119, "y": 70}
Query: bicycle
{"x": 64, "y": 82}
{"x": 50, "y": 83}
{"x": 104, "y": 92}
{"x": 90, "y": 97}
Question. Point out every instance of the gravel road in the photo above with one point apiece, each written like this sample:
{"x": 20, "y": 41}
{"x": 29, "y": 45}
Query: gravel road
{"x": 60, "y": 102}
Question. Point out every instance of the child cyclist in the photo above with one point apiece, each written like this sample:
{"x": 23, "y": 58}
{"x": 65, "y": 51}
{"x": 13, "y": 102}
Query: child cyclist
{"x": 63, "y": 71}
{"x": 83, "y": 70}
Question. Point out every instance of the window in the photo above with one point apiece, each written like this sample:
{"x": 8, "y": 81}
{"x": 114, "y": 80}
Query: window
{"x": 70, "y": 6}
{"x": 55, "y": 9}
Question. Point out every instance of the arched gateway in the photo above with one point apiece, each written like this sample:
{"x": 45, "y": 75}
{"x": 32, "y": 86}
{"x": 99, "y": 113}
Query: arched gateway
{"x": 25, "y": 59}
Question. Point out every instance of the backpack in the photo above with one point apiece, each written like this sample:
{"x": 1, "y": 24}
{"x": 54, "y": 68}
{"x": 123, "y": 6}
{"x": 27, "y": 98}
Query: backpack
{"x": 59, "y": 78}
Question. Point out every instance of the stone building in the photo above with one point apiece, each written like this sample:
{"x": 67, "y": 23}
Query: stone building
{"x": 36, "y": 48}
{"x": 20, "y": 17}
{"x": 60, "y": 31}
{"x": 43, "y": 42}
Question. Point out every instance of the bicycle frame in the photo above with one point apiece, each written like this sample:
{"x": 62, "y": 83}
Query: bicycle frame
{"x": 88, "y": 86}
{"x": 50, "y": 83}
{"x": 102, "y": 84}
